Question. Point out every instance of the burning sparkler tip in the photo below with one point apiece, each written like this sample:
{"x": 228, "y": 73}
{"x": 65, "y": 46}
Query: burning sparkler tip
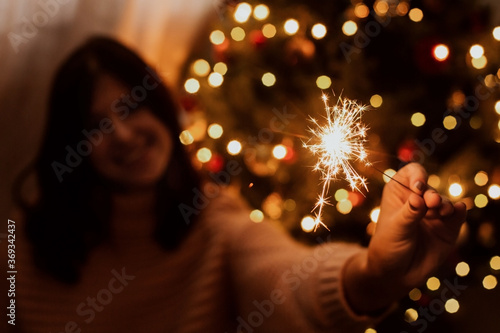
{"x": 338, "y": 142}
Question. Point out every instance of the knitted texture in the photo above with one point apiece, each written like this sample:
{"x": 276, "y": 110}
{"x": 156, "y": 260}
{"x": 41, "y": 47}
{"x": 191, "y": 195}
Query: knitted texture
{"x": 229, "y": 275}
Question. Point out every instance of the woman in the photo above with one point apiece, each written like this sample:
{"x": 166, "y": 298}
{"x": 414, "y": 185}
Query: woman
{"x": 108, "y": 248}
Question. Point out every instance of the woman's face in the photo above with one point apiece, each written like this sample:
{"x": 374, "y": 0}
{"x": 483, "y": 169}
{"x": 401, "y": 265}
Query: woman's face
{"x": 136, "y": 147}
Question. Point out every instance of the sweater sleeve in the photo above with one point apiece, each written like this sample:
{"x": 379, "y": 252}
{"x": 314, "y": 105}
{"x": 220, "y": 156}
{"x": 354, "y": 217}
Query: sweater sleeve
{"x": 282, "y": 285}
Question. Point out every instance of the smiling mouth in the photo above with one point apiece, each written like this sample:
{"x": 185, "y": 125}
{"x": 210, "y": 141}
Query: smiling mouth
{"x": 132, "y": 155}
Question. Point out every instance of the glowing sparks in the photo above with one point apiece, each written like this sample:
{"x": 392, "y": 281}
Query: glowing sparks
{"x": 337, "y": 143}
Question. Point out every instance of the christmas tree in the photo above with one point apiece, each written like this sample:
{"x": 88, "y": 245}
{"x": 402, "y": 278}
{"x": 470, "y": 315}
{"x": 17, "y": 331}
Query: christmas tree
{"x": 428, "y": 72}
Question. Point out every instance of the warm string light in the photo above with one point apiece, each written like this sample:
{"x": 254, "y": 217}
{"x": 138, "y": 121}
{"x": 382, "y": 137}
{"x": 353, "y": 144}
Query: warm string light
{"x": 337, "y": 143}
{"x": 476, "y": 59}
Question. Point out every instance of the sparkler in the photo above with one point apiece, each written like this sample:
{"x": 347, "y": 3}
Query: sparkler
{"x": 337, "y": 143}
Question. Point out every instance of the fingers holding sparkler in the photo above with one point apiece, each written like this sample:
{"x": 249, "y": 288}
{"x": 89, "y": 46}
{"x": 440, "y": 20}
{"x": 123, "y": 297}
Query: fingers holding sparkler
{"x": 339, "y": 140}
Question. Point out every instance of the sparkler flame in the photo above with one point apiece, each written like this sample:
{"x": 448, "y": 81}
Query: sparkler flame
{"x": 337, "y": 143}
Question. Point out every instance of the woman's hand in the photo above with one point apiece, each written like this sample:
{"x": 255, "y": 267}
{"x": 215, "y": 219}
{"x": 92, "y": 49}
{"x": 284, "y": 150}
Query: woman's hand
{"x": 414, "y": 235}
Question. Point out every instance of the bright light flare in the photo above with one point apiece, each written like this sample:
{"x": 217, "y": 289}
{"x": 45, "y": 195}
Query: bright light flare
{"x": 441, "y": 52}
{"x": 261, "y": 12}
{"x": 279, "y": 152}
{"x": 494, "y": 191}
{"x": 476, "y": 51}
{"x": 337, "y": 143}
{"x": 307, "y": 224}
{"x": 318, "y": 31}
{"x": 234, "y": 147}
{"x": 242, "y": 12}
{"x": 496, "y": 33}
{"x": 349, "y": 28}
{"x": 291, "y": 26}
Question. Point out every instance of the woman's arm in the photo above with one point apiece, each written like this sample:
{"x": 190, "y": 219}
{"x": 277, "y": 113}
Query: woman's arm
{"x": 414, "y": 235}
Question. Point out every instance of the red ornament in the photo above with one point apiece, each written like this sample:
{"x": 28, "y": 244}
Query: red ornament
{"x": 215, "y": 164}
{"x": 221, "y": 51}
{"x": 425, "y": 57}
{"x": 257, "y": 38}
{"x": 188, "y": 102}
{"x": 407, "y": 150}
{"x": 355, "y": 198}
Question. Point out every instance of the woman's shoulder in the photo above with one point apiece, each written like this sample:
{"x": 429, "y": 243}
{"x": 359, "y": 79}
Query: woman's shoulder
{"x": 223, "y": 200}
{"x": 222, "y": 206}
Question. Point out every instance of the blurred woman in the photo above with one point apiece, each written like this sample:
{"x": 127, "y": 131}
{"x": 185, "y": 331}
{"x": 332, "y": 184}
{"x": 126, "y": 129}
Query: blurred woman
{"x": 124, "y": 236}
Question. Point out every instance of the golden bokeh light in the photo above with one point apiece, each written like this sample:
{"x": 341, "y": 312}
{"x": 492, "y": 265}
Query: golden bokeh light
{"x": 344, "y": 206}
{"x": 268, "y": 79}
{"x": 261, "y": 12}
{"x": 201, "y": 67}
{"x": 204, "y": 155}
{"x": 234, "y": 147}
{"x": 376, "y": 101}
{"x": 279, "y": 152}
{"x": 402, "y": 8}
{"x": 418, "y": 119}
{"x": 489, "y": 282}
{"x": 434, "y": 181}
{"x": 415, "y": 294}
{"x": 479, "y": 63}
{"x": 307, "y": 224}
{"x": 323, "y": 82}
{"x": 494, "y": 191}
{"x": 186, "y": 137}
{"x": 496, "y": 33}
{"x": 433, "y": 283}
{"x": 341, "y": 194}
{"x": 450, "y": 122}
{"x": 462, "y": 269}
{"x": 242, "y": 12}
{"x": 291, "y": 26}
{"x": 318, "y": 31}
{"x": 220, "y": 68}
{"x": 497, "y": 107}
{"x": 455, "y": 190}
{"x": 416, "y": 14}
{"x": 381, "y": 7}
{"x": 441, "y": 52}
{"x": 215, "y": 79}
{"x": 490, "y": 81}
{"x": 217, "y": 37}
{"x": 374, "y": 214}
{"x": 476, "y": 51}
{"x": 388, "y": 174}
{"x": 495, "y": 263}
{"x": 411, "y": 315}
{"x": 481, "y": 178}
{"x": 480, "y": 201}
{"x": 256, "y": 216}
{"x": 215, "y": 131}
{"x": 349, "y": 28}
{"x": 269, "y": 30}
{"x": 192, "y": 86}
{"x": 361, "y": 10}
{"x": 451, "y": 305}
{"x": 238, "y": 34}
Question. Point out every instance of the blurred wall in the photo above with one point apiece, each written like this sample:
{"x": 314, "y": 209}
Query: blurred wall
{"x": 37, "y": 34}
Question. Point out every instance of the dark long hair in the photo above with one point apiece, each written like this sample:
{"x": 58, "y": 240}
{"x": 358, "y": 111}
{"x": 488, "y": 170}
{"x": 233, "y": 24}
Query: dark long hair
{"x": 71, "y": 216}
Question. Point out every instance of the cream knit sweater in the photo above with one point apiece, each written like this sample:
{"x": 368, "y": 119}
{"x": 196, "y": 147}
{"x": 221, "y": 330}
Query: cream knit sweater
{"x": 229, "y": 275}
